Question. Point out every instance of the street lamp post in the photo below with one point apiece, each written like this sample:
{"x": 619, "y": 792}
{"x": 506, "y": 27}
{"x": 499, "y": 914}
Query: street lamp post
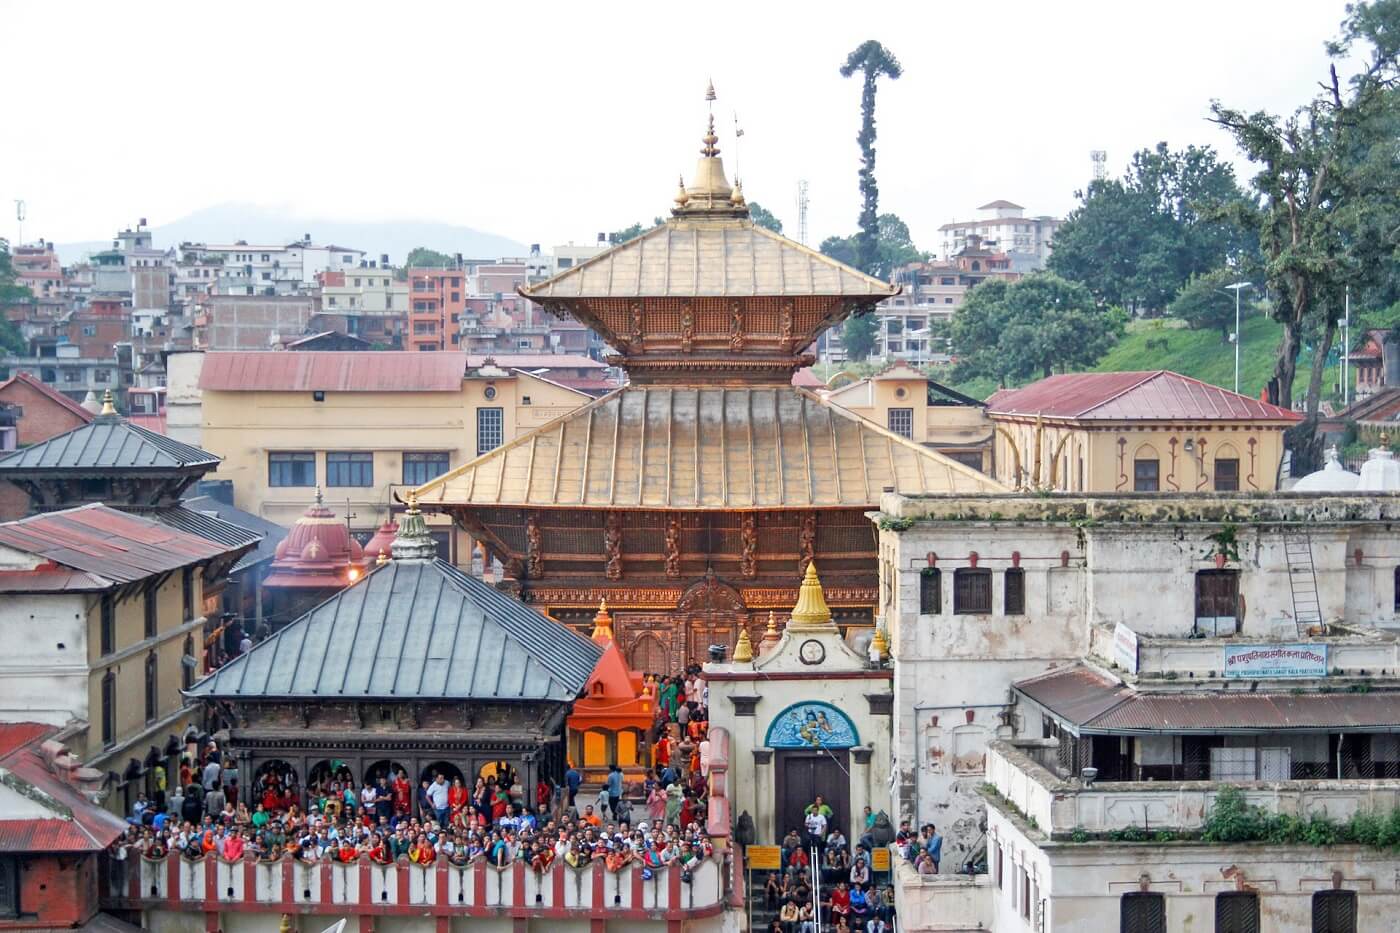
{"x": 1236, "y": 287}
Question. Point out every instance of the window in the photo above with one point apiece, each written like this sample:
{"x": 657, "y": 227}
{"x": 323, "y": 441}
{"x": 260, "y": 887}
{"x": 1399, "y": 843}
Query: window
{"x": 901, "y": 421}
{"x": 1217, "y": 598}
{"x": 265, "y": 257}
{"x": 1237, "y": 912}
{"x": 72, "y": 375}
{"x": 151, "y": 687}
{"x": 108, "y": 626}
{"x": 109, "y": 709}
{"x": 9, "y": 887}
{"x": 456, "y": 296}
{"x": 972, "y": 591}
{"x": 1334, "y": 912}
{"x": 331, "y": 301}
{"x": 1014, "y": 592}
{"x": 1141, "y": 912}
{"x": 291, "y": 469}
{"x": 101, "y": 375}
{"x": 948, "y": 301}
{"x": 930, "y": 591}
{"x": 151, "y": 605}
{"x": 89, "y": 330}
{"x": 489, "y": 429}
{"x": 95, "y": 487}
{"x": 1227, "y": 475}
{"x": 1145, "y": 476}
{"x": 1397, "y": 589}
{"x": 357, "y": 283}
{"x": 524, "y": 400}
{"x": 187, "y": 663}
{"x": 187, "y": 593}
{"x": 419, "y": 468}
{"x": 267, "y": 276}
{"x": 349, "y": 469}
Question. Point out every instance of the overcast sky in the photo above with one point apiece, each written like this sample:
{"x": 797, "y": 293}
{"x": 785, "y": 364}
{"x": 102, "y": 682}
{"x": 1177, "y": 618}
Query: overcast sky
{"x": 550, "y": 122}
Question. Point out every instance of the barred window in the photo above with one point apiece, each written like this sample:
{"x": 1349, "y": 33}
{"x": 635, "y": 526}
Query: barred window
{"x": 419, "y": 468}
{"x": 1014, "y": 591}
{"x": 109, "y": 624}
{"x": 1334, "y": 912}
{"x": 349, "y": 469}
{"x": 490, "y": 429}
{"x": 1145, "y": 476}
{"x": 152, "y": 616}
{"x": 972, "y": 591}
{"x": 109, "y": 709}
{"x": 1143, "y": 912}
{"x": 901, "y": 421}
{"x": 930, "y": 591}
{"x": 1227, "y": 475}
{"x": 1237, "y": 912}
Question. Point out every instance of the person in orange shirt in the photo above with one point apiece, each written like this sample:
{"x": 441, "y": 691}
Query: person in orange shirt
{"x": 591, "y": 818}
{"x": 422, "y": 852}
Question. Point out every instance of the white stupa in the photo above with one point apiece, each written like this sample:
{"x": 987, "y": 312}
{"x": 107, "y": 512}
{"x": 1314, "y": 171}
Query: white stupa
{"x": 1333, "y": 477}
{"x": 1381, "y": 471}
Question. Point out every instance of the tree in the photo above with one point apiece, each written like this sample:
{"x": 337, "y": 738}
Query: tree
{"x": 1032, "y": 327}
{"x": 1135, "y": 241}
{"x": 632, "y": 232}
{"x": 893, "y": 247}
{"x": 764, "y": 218}
{"x": 1205, "y": 304}
{"x": 1328, "y": 180}
{"x": 858, "y": 336}
{"x": 420, "y": 257}
{"x": 874, "y": 61}
{"x": 11, "y": 293}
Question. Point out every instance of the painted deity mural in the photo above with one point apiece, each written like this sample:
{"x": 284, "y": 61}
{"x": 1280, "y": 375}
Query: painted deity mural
{"x": 811, "y": 725}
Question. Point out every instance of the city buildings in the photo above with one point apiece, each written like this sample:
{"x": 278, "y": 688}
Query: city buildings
{"x": 1154, "y": 431}
{"x": 437, "y": 298}
{"x": 1003, "y": 225}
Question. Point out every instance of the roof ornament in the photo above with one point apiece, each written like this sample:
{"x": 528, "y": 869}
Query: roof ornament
{"x": 108, "y": 406}
{"x": 743, "y": 649}
{"x": 602, "y": 624}
{"x": 709, "y": 194}
{"x": 811, "y": 611}
{"x": 413, "y": 542}
{"x": 682, "y": 199}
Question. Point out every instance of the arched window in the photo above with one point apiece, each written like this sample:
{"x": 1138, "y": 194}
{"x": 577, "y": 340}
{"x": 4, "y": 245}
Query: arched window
{"x": 1146, "y": 470}
{"x": 152, "y": 688}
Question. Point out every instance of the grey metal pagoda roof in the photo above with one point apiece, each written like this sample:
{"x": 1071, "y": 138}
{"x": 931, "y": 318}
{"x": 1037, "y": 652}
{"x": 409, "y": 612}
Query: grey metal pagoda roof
{"x": 109, "y": 442}
{"x": 411, "y": 630}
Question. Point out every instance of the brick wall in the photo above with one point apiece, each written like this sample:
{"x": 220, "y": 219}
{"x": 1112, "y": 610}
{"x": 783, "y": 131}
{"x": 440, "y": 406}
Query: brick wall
{"x": 55, "y": 892}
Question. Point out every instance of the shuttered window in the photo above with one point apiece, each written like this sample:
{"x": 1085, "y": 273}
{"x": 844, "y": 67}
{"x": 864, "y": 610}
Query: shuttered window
{"x": 150, "y": 609}
{"x": 108, "y": 636}
{"x": 1217, "y": 594}
{"x": 1334, "y": 912}
{"x": 1143, "y": 912}
{"x": 972, "y": 591}
{"x": 930, "y": 591}
{"x": 1227, "y": 475}
{"x": 1014, "y": 591}
{"x": 1237, "y": 912}
{"x": 1145, "y": 476}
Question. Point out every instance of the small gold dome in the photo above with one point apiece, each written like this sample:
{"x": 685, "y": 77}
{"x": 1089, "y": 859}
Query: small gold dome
{"x": 743, "y": 650}
{"x": 811, "y": 610}
{"x": 737, "y": 198}
{"x": 682, "y": 198}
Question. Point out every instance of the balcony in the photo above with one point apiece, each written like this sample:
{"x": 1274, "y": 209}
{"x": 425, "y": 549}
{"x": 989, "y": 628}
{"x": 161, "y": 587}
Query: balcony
{"x": 1061, "y": 807}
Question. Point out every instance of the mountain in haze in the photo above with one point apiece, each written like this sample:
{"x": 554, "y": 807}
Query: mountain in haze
{"x": 260, "y": 225}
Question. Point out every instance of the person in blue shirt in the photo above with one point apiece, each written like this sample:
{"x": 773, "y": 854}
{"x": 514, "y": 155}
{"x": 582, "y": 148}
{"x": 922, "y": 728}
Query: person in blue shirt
{"x": 573, "y": 779}
{"x": 614, "y": 789}
{"x": 933, "y": 844}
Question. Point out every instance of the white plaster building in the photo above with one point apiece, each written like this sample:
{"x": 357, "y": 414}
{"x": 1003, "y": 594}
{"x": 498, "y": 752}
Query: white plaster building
{"x": 1003, "y": 225}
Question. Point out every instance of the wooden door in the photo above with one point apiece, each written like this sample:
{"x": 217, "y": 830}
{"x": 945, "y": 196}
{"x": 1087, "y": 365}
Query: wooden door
{"x": 800, "y": 776}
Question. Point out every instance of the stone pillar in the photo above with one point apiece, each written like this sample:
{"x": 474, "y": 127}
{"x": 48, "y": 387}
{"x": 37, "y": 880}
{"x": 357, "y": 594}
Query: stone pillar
{"x": 743, "y": 791}
{"x": 763, "y": 816}
{"x": 861, "y": 792}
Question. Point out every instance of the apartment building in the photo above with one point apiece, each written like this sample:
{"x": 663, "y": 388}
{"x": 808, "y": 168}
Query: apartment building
{"x": 436, "y": 300}
{"x": 1005, "y": 226}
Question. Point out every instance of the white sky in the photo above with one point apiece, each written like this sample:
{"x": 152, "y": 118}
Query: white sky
{"x": 550, "y": 122}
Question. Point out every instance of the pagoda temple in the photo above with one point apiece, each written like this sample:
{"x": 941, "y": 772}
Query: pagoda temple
{"x": 693, "y": 498}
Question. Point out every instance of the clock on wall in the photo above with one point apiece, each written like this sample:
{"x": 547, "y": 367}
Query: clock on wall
{"x": 811, "y": 651}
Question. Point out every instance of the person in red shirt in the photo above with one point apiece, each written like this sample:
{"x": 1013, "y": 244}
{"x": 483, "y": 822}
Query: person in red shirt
{"x": 663, "y": 751}
{"x": 403, "y": 794}
{"x": 456, "y": 801}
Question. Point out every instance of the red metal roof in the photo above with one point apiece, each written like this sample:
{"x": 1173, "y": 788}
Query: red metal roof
{"x": 115, "y": 546}
{"x": 1159, "y": 395}
{"x": 806, "y": 379}
{"x": 54, "y": 394}
{"x": 535, "y": 360}
{"x": 16, "y": 735}
{"x": 78, "y": 824}
{"x": 332, "y": 371}
{"x": 154, "y": 423}
{"x": 55, "y": 835}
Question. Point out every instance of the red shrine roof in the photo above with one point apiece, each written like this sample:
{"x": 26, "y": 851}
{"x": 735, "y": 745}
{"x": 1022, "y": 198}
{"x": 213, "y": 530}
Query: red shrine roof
{"x": 1159, "y": 395}
{"x": 317, "y": 553}
{"x": 613, "y": 696}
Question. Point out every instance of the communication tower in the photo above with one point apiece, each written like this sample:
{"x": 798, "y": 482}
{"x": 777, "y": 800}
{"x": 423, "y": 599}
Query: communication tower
{"x": 1099, "y": 158}
{"x": 802, "y": 211}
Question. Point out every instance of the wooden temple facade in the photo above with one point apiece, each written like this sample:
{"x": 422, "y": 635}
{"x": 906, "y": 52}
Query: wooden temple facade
{"x": 693, "y": 498}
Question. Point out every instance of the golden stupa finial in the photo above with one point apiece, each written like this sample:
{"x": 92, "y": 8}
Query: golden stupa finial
{"x": 709, "y": 139}
{"x": 412, "y": 501}
{"x": 286, "y": 925}
{"x": 108, "y": 404}
{"x": 737, "y": 198}
{"x": 880, "y": 643}
{"x": 602, "y": 624}
{"x": 682, "y": 199}
{"x": 771, "y": 635}
{"x": 382, "y": 559}
{"x": 811, "y": 610}
{"x": 743, "y": 649}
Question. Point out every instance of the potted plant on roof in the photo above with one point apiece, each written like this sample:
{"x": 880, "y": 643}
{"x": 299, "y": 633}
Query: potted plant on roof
{"x": 1225, "y": 545}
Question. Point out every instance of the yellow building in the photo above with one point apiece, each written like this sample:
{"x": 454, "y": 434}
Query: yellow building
{"x": 911, "y": 405}
{"x": 361, "y": 426}
{"x": 1136, "y": 432}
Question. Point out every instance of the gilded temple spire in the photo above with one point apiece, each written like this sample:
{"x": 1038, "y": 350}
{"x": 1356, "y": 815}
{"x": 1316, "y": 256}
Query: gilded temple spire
{"x": 709, "y": 194}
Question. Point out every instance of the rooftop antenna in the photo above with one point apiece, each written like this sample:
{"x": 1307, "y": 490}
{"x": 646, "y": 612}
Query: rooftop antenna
{"x": 737, "y": 133}
{"x": 19, "y": 216}
{"x": 1099, "y": 159}
{"x": 802, "y": 211}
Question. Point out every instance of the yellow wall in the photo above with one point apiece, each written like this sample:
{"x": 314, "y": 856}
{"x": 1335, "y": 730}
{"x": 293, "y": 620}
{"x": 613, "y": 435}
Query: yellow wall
{"x": 939, "y": 426}
{"x": 1089, "y": 458}
{"x": 130, "y": 669}
{"x": 243, "y": 427}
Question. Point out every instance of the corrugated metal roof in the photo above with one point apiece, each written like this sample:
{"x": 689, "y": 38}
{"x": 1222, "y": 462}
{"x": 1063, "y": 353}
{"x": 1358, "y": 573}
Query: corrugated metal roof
{"x": 530, "y": 361}
{"x": 78, "y": 825}
{"x": 49, "y": 835}
{"x": 16, "y": 735}
{"x": 204, "y": 525}
{"x": 704, "y": 448}
{"x": 1096, "y": 705}
{"x": 270, "y": 533}
{"x": 332, "y": 371}
{"x": 413, "y": 629}
{"x": 116, "y": 547}
{"x": 685, "y": 258}
{"x": 1159, "y": 395}
{"x": 108, "y": 443}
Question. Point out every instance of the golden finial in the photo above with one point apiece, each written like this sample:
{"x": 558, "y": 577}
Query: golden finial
{"x": 682, "y": 199}
{"x": 710, "y": 150}
{"x": 811, "y": 610}
{"x": 772, "y": 624}
{"x": 412, "y": 501}
{"x": 382, "y": 559}
{"x": 286, "y": 926}
{"x": 108, "y": 408}
{"x": 743, "y": 649}
{"x": 602, "y": 624}
{"x": 710, "y": 91}
{"x": 737, "y": 198}
{"x": 880, "y": 643}
{"x": 771, "y": 635}
{"x": 1385, "y": 435}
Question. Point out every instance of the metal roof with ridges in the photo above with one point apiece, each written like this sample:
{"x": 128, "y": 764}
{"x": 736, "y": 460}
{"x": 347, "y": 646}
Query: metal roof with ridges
{"x": 683, "y": 258}
{"x": 1157, "y": 395}
{"x": 695, "y": 447}
{"x": 413, "y": 630}
{"x": 109, "y": 442}
{"x": 115, "y": 547}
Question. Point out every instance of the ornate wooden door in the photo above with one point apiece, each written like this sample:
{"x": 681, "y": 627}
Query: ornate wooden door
{"x": 709, "y": 613}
